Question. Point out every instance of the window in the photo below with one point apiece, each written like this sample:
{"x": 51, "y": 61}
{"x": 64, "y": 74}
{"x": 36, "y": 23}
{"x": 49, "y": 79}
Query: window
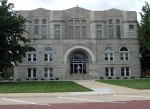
{"x": 36, "y": 27}
{"x": 70, "y": 31}
{"x": 118, "y": 30}
{"x": 44, "y": 21}
{"x": 98, "y": 31}
{"x": 32, "y": 55}
{"x": 31, "y": 73}
{"x": 71, "y": 22}
{"x": 48, "y": 73}
{"x": 57, "y": 31}
{"x": 109, "y": 71}
{"x": 77, "y": 32}
{"x": 124, "y": 55}
{"x": 57, "y": 26}
{"x": 44, "y": 28}
{"x": 77, "y": 21}
{"x": 110, "y": 28}
{"x": 108, "y": 54}
{"x": 125, "y": 71}
{"x": 83, "y": 21}
{"x": 48, "y": 56}
{"x": 83, "y": 31}
{"x": 131, "y": 27}
{"x": 76, "y": 28}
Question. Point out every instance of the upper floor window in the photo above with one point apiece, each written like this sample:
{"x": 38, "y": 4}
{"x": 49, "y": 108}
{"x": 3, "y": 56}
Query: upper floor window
{"x": 125, "y": 71}
{"x": 32, "y": 55}
{"x": 83, "y": 21}
{"x": 77, "y": 21}
{"x": 36, "y": 21}
{"x": 57, "y": 31}
{"x": 70, "y": 32}
{"x": 98, "y": 31}
{"x": 84, "y": 31}
{"x": 118, "y": 28}
{"x": 36, "y": 26}
{"x": 77, "y": 31}
{"x": 71, "y": 22}
{"x": 44, "y": 21}
{"x": 109, "y": 71}
{"x": 48, "y": 55}
{"x": 110, "y": 28}
{"x": 44, "y": 28}
{"x": 108, "y": 54}
{"x": 131, "y": 27}
{"x": 124, "y": 55}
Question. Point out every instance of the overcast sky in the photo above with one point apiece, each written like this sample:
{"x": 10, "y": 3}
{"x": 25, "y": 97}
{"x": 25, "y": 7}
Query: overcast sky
{"x": 127, "y": 5}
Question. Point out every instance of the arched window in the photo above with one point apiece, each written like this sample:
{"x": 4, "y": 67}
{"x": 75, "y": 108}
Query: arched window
{"x": 32, "y": 55}
{"x": 124, "y": 54}
{"x": 108, "y": 54}
{"x": 48, "y": 55}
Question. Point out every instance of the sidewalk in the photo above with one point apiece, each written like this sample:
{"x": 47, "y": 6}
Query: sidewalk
{"x": 109, "y": 89}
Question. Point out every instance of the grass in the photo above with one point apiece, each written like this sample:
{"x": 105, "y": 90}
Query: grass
{"x": 135, "y": 84}
{"x": 41, "y": 87}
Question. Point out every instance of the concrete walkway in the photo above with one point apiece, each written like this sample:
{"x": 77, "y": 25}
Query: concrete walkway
{"x": 109, "y": 89}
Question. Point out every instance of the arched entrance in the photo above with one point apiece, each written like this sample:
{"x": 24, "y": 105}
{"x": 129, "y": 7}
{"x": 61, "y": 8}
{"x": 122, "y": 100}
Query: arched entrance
{"x": 78, "y": 63}
{"x": 78, "y": 60}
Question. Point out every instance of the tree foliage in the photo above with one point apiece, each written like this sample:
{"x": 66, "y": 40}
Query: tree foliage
{"x": 12, "y": 45}
{"x": 144, "y": 36}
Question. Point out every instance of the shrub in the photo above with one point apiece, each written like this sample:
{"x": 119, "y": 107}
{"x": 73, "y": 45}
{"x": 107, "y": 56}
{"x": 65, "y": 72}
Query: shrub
{"x": 35, "y": 79}
{"x": 11, "y": 79}
{"x": 57, "y": 78}
{"x": 117, "y": 78}
{"x": 18, "y": 79}
{"x": 125, "y": 78}
{"x": 101, "y": 77}
{"x": 27, "y": 78}
{"x": 132, "y": 77}
{"x": 109, "y": 77}
{"x": 42, "y": 79}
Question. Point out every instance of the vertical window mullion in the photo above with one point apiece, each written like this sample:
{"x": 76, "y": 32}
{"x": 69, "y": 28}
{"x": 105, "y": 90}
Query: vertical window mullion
{"x": 48, "y": 57}
{"x": 32, "y": 57}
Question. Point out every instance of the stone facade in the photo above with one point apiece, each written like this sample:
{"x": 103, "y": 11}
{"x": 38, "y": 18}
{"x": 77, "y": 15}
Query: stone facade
{"x": 80, "y": 44}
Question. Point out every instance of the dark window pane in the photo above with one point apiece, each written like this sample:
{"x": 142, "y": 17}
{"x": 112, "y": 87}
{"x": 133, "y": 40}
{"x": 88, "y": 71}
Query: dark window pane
{"x": 131, "y": 26}
{"x": 107, "y": 74}
{"x": 122, "y": 73}
{"x": 112, "y": 74}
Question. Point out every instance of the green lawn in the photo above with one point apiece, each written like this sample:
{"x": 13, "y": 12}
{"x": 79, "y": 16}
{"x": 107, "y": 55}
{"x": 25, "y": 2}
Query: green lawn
{"x": 136, "y": 84}
{"x": 41, "y": 87}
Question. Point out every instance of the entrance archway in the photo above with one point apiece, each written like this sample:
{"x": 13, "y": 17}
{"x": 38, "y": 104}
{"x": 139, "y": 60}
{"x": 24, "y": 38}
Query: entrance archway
{"x": 78, "y": 63}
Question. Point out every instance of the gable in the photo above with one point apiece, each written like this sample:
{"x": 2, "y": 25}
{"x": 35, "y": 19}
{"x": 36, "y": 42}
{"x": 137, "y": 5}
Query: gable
{"x": 77, "y": 8}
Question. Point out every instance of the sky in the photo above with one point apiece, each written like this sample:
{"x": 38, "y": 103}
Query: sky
{"x": 126, "y": 5}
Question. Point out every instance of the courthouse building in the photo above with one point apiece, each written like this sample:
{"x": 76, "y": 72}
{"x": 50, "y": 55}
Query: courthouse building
{"x": 78, "y": 43}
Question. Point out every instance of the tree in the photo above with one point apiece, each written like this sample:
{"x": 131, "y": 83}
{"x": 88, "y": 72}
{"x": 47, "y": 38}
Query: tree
{"x": 13, "y": 45}
{"x": 144, "y": 36}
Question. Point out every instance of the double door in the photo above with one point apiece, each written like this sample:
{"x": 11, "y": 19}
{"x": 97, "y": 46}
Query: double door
{"x": 78, "y": 68}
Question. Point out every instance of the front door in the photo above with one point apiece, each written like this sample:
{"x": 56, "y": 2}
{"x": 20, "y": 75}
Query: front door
{"x": 78, "y": 68}
{"x": 78, "y": 64}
